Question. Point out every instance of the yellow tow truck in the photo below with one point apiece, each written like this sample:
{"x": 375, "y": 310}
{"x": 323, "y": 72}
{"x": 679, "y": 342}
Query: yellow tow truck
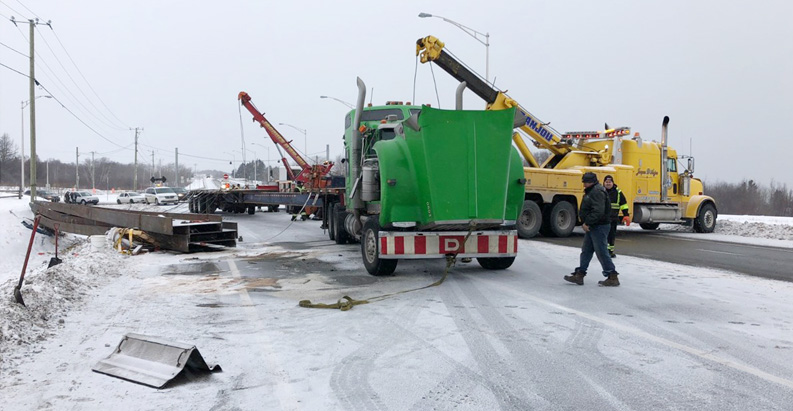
{"x": 646, "y": 171}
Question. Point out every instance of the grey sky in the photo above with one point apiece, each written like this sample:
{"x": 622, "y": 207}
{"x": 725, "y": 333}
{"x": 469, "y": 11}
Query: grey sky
{"x": 720, "y": 69}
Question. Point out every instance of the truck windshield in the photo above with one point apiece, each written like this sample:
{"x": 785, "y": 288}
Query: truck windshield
{"x": 165, "y": 190}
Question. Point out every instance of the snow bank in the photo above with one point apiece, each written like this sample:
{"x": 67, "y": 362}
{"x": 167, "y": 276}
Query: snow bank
{"x": 763, "y": 227}
{"x": 50, "y": 294}
{"x": 205, "y": 183}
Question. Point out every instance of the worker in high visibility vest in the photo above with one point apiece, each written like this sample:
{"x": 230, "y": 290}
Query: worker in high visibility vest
{"x": 619, "y": 205}
{"x": 302, "y": 211}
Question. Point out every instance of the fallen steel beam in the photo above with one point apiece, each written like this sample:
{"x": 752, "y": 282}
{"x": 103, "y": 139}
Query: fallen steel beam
{"x": 172, "y": 231}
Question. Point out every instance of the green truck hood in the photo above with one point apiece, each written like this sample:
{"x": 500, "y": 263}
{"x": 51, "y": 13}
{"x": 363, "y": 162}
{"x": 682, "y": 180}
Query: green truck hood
{"x": 460, "y": 166}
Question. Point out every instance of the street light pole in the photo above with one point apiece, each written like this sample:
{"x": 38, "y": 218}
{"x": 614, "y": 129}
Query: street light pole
{"x": 340, "y": 101}
{"x": 473, "y": 33}
{"x": 268, "y": 158}
{"x": 305, "y": 136}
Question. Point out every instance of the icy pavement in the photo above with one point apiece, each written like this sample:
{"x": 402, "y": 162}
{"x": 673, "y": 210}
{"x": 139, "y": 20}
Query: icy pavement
{"x": 671, "y": 336}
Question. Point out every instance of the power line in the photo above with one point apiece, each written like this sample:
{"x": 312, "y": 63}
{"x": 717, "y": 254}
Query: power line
{"x": 14, "y": 70}
{"x": 125, "y": 127}
{"x": 67, "y": 92}
{"x": 78, "y": 118}
{"x": 12, "y": 9}
{"x": 43, "y": 38}
{"x": 85, "y": 79}
{"x": 26, "y": 8}
{"x": 14, "y": 50}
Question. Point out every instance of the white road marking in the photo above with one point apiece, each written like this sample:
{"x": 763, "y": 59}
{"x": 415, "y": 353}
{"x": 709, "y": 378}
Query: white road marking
{"x": 717, "y": 252}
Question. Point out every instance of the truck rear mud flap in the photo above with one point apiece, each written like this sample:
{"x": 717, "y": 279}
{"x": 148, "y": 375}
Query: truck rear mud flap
{"x": 396, "y": 244}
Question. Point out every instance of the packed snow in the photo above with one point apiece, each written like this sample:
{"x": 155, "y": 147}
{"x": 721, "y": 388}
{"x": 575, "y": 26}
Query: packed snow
{"x": 58, "y": 300}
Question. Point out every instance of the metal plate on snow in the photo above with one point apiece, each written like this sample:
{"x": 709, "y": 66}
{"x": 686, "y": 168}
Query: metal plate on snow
{"x": 151, "y": 361}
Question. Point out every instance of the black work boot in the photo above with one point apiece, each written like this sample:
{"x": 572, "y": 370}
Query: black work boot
{"x": 577, "y": 277}
{"x": 612, "y": 255}
{"x": 611, "y": 280}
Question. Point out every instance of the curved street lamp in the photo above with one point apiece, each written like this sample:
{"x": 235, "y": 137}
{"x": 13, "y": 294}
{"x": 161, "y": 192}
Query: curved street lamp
{"x": 340, "y": 101}
{"x": 473, "y": 33}
{"x": 305, "y": 135}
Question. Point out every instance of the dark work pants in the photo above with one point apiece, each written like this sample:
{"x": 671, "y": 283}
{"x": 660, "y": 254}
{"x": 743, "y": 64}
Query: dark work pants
{"x": 612, "y": 235}
{"x": 595, "y": 242}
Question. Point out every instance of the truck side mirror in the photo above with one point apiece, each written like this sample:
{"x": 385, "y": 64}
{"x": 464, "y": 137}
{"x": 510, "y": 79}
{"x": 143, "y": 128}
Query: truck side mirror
{"x": 690, "y": 165}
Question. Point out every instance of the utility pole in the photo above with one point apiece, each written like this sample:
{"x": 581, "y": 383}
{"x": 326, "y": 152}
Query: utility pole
{"x": 77, "y": 169}
{"x": 93, "y": 185}
{"x": 32, "y": 118}
{"x": 135, "y": 179}
{"x": 152, "y": 163}
{"x": 22, "y": 162}
{"x": 32, "y": 77}
{"x": 177, "y": 168}
{"x": 327, "y": 152}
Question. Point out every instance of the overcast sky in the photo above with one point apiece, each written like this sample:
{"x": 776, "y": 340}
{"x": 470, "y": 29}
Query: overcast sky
{"x": 722, "y": 70}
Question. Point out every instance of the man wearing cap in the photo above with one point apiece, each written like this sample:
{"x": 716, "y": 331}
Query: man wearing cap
{"x": 619, "y": 204}
{"x": 594, "y": 213}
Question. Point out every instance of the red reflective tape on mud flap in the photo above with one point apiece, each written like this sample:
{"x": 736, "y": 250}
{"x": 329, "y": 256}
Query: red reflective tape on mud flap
{"x": 420, "y": 244}
{"x": 502, "y": 244}
{"x": 399, "y": 245}
{"x": 483, "y": 244}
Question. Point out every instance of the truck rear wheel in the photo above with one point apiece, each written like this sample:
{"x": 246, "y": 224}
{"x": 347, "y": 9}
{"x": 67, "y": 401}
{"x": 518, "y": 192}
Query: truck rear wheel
{"x": 649, "y": 226}
{"x": 495, "y": 263}
{"x": 371, "y": 252}
{"x": 560, "y": 220}
{"x": 706, "y": 220}
{"x": 330, "y": 214}
{"x": 340, "y": 234}
{"x": 530, "y": 220}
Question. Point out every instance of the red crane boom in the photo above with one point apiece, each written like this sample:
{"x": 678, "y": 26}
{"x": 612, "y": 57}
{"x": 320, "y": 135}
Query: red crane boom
{"x": 309, "y": 174}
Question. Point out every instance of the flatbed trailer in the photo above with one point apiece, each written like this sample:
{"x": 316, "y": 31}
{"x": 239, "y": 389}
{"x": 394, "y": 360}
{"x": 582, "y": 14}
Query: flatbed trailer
{"x": 206, "y": 201}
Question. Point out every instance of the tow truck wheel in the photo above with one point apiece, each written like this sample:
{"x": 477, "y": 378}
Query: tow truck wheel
{"x": 649, "y": 226}
{"x": 495, "y": 263}
{"x": 371, "y": 253}
{"x": 330, "y": 214}
{"x": 530, "y": 220}
{"x": 560, "y": 220}
{"x": 706, "y": 220}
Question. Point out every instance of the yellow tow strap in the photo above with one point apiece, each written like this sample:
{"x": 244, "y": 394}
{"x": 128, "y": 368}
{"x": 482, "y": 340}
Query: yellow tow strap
{"x": 346, "y": 303}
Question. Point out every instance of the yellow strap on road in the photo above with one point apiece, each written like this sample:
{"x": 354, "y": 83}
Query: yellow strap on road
{"x": 346, "y": 303}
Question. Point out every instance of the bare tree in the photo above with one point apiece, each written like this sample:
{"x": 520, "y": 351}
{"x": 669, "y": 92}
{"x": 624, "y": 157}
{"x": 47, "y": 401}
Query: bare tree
{"x": 8, "y": 152}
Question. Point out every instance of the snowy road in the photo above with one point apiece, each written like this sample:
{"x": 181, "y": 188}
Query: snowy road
{"x": 670, "y": 337}
{"x": 699, "y": 251}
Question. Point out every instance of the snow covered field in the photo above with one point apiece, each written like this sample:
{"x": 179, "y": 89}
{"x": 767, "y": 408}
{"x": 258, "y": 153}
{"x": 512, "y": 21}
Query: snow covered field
{"x": 683, "y": 338}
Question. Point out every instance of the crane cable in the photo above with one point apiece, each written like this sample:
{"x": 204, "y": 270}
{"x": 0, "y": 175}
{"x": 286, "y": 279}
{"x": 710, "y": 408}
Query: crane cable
{"x": 346, "y": 302}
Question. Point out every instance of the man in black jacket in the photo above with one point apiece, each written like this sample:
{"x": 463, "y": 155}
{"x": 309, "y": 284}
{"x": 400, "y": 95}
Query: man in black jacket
{"x": 595, "y": 213}
{"x": 619, "y": 204}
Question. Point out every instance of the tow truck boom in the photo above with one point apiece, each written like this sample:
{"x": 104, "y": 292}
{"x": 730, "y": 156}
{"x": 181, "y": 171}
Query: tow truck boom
{"x": 308, "y": 174}
{"x": 430, "y": 48}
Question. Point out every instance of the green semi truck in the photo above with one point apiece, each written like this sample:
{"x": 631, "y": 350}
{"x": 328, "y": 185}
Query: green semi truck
{"x": 427, "y": 183}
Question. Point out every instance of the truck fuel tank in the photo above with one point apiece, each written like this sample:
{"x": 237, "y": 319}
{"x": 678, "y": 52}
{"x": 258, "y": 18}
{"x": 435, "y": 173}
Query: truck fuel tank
{"x": 371, "y": 180}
